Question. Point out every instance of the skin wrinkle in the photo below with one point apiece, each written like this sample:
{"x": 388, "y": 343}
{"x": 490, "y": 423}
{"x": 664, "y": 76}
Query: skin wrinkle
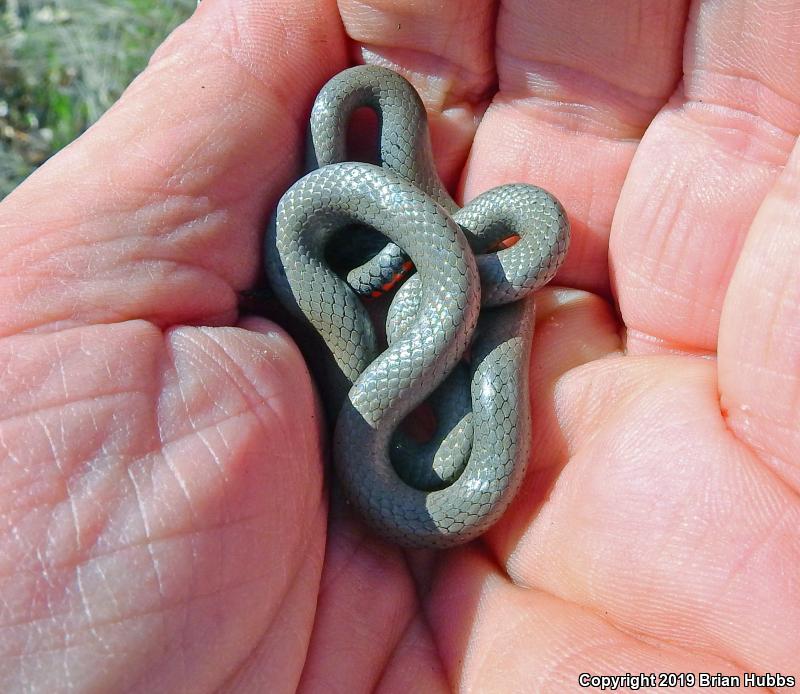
{"x": 45, "y": 378}
{"x": 208, "y": 223}
{"x": 365, "y": 27}
{"x": 47, "y": 255}
{"x": 765, "y": 102}
{"x": 40, "y": 562}
{"x": 139, "y": 151}
{"x": 92, "y": 629}
{"x": 331, "y": 578}
{"x": 193, "y": 425}
{"x": 748, "y": 553}
{"x": 642, "y": 259}
{"x": 176, "y": 219}
{"x": 91, "y": 558}
{"x": 55, "y": 230}
{"x": 235, "y": 372}
{"x": 170, "y": 355}
{"x": 147, "y": 541}
{"x": 56, "y": 323}
{"x": 217, "y": 461}
{"x": 270, "y": 414}
{"x": 60, "y": 363}
{"x": 605, "y": 111}
{"x": 431, "y": 66}
{"x": 198, "y": 349}
{"x": 728, "y": 128}
{"x": 188, "y": 435}
{"x": 582, "y": 55}
{"x": 669, "y": 348}
{"x": 87, "y": 539}
{"x": 569, "y": 118}
{"x": 55, "y": 406}
{"x": 56, "y": 458}
{"x": 686, "y": 266}
{"x": 131, "y": 615}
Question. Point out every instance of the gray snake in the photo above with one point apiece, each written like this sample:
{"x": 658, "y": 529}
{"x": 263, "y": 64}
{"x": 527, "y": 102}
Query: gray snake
{"x": 465, "y": 299}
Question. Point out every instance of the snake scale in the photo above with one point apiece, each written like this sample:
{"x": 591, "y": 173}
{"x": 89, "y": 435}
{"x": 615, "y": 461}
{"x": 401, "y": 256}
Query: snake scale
{"x": 459, "y": 329}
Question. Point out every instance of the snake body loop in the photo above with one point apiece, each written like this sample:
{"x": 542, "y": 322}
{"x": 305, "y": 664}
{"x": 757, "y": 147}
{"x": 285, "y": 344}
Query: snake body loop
{"x": 463, "y": 481}
{"x": 404, "y": 148}
{"x": 405, "y": 143}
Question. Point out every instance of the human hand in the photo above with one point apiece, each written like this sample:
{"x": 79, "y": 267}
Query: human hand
{"x": 165, "y": 520}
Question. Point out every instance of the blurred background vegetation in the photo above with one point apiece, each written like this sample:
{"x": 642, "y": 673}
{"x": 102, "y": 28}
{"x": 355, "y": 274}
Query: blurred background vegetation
{"x": 63, "y": 63}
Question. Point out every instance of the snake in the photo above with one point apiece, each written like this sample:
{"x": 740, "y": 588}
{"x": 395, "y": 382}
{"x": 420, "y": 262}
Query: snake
{"x": 459, "y": 328}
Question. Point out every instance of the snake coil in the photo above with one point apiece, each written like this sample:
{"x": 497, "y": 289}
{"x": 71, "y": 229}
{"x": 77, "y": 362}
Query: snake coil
{"x": 462, "y": 297}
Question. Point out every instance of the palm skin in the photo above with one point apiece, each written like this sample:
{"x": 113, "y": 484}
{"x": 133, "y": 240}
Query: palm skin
{"x": 166, "y": 525}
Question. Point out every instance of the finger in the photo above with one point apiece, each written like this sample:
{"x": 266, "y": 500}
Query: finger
{"x": 354, "y": 635}
{"x": 703, "y": 169}
{"x": 445, "y": 50}
{"x": 157, "y": 212}
{"x": 494, "y": 636}
{"x": 150, "y": 486}
{"x": 662, "y": 521}
{"x": 578, "y": 85}
{"x": 759, "y": 353}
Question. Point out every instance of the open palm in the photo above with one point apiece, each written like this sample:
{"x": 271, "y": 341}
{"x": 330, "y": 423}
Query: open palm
{"x": 165, "y": 521}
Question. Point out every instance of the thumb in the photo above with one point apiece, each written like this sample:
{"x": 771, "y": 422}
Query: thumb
{"x": 157, "y": 211}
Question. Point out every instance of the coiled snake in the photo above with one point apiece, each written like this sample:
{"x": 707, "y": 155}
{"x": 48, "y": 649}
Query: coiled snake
{"x": 453, "y": 488}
